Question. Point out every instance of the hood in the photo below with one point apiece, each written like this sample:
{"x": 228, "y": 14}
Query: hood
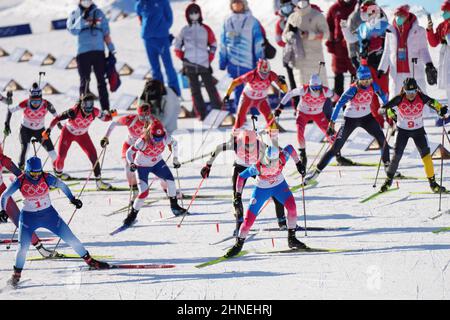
{"x": 189, "y": 8}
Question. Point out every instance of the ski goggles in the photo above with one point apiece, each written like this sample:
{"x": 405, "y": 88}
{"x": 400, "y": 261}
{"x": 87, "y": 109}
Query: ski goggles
{"x": 88, "y": 106}
{"x": 35, "y": 174}
{"x": 35, "y": 102}
{"x": 315, "y": 88}
{"x": 365, "y": 83}
{"x": 158, "y": 139}
{"x": 411, "y": 92}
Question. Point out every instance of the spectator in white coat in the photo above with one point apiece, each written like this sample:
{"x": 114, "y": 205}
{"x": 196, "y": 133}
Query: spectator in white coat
{"x": 308, "y": 27}
{"x": 405, "y": 41}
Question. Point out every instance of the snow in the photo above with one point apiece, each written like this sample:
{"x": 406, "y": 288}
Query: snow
{"x": 396, "y": 255}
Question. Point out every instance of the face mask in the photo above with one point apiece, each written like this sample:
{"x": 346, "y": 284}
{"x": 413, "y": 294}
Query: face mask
{"x": 303, "y": 4}
{"x": 286, "y": 10}
{"x": 400, "y": 20}
{"x": 446, "y": 15}
{"x": 86, "y": 3}
{"x": 194, "y": 16}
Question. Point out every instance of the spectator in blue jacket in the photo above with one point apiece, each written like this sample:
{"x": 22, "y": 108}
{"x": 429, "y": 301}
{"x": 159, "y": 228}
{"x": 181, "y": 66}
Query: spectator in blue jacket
{"x": 91, "y": 26}
{"x": 156, "y": 19}
{"x": 241, "y": 44}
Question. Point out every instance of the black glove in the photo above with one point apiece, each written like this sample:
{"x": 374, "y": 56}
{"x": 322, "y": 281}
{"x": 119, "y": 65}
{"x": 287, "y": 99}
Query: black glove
{"x": 431, "y": 73}
{"x": 380, "y": 73}
{"x": 104, "y": 142}
{"x": 282, "y": 79}
{"x": 77, "y": 203}
{"x": 301, "y": 168}
{"x": 60, "y": 126}
{"x": 330, "y": 130}
{"x": 7, "y": 130}
{"x": 278, "y": 110}
{"x": 226, "y": 99}
{"x": 205, "y": 171}
{"x": 443, "y": 111}
{"x": 133, "y": 167}
{"x": 3, "y": 216}
{"x": 237, "y": 199}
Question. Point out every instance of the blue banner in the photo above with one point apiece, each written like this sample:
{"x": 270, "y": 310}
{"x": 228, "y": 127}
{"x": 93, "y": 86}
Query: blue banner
{"x": 18, "y": 30}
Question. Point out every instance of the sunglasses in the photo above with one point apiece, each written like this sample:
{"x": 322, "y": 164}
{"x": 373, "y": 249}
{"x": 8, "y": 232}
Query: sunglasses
{"x": 35, "y": 102}
{"x": 88, "y": 105}
{"x": 158, "y": 139}
{"x": 35, "y": 174}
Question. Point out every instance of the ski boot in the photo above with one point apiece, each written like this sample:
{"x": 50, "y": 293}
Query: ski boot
{"x": 386, "y": 185}
{"x": 102, "y": 186}
{"x": 303, "y": 158}
{"x": 15, "y": 278}
{"x": 176, "y": 209}
{"x": 95, "y": 264}
{"x": 282, "y": 224}
{"x": 131, "y": 217}
{"x": 344, "y": 162}
{"x": 61, "y": 175}
{"x": 435, "y": 187}
{"x": 236, "y": 248}
{"x": 46, "y": 253}
{"x": 293, "y": 242}
{"x": 311, "y": 176}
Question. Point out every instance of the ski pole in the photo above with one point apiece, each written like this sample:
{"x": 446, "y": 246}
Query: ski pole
{"x": 442, "y": 166}
{"x": 254, "y": 118}
{"x": 321, "y": 64}
{"x": 41, "y": 73}
{"x": 386, "y": 140}
{"x": 33, "y": 142}
{"x": 48, "y": 156}
{"x": 207, "y": 134}
{"x": 192, "y": 200}
{"x": 9, "y": 95}
{"x": 79, "y": 196}
{"x": 8, "y": 246}
{"x": 179, "y": 187}
{"x": 304, "y": 204}
{"x": 196, "y": 158}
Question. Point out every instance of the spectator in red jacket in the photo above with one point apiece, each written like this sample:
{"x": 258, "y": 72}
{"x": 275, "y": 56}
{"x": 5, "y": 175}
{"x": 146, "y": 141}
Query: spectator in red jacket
{"x": 336, "y": 44}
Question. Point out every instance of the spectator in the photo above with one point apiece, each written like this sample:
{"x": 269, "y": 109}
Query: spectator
{"x": 241, "y": 45}
{"x": 91, "y": 27}
{"x": 156, "y": 19}
{"x": 196, "y": 47}
{"x": 336, "y": 44}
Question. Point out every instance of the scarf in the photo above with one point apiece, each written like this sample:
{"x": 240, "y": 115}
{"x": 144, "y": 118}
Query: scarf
{"x": 402, "y": 45}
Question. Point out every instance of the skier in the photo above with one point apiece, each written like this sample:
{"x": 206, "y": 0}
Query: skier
{"x": 33, "y": 122}
{"x": 257, "y": 84}
{"x": 269, "y": 183}
{"x": 11, "y": 210}
{"x": 310, "y": 108}
{"x": 38, "y": 212}
{"x": 164, "y": 103}
{"x": 406, "y": 41}
{"x": 144, "y": 157}
{"x": 80, "y": 117}
{"x": 407, "y": 110}
{"x": 248, "y": 149}
{"x": 442, "y": 37}
{"x": 307, "y": 28}
{"x": 196, "y": 47}
{"x": 370, "y": 37}
{"x": 135, "y": 124}
{"x": 241, "y": 45}
{"x": 357, "y": 114}
{"x": 336, "y": 44}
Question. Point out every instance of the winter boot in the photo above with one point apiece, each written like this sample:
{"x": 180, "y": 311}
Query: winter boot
{"x": 293, "y": 242}
{"x": 102, "y": 186}
{"x": 15, "y": 278}
{"x": 131, "y": 217}
{"x": 176, "y": 209}
{"x": 61, "y": 175}
{"x": 303, "y": 157}
{"x": 311, "y": 176}
{"x": 46, "y": 253}
{"x": 95, "y": 264}
{"x": 236, "y": 248}
{"x": 386, "y": 185}
{"x": 344, "y": 162}
{"x": 435, "y": 187}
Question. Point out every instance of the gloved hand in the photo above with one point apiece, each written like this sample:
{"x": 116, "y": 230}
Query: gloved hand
{"x": 9, "y": 96}
{"x": 3, "y": 216}
{"x": 77, "y": 203}
{"x": 301, "y": 168}
{"x": 226, "y": 99}
{"x": 380, "y": 73}
{"x": 431, "y": 73}
{"x": 176, "y": 163}
{"x": 443, "y": 111}
{"x": 104, "y": 142}
{"x": 7, "y": 130}
{"x": 391, "y": 114}
{"x": 60, "y": 126}
{"x": 133, "y": 167}
{"x": 237, "y": 199}
{"x": 205, "y": 171}
{"x": 331, "y": 131}
{"x": 46, "y": 134}
{"x": 278, "y": 111}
